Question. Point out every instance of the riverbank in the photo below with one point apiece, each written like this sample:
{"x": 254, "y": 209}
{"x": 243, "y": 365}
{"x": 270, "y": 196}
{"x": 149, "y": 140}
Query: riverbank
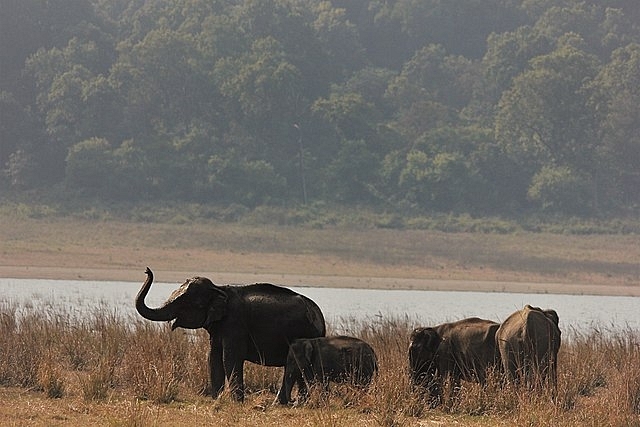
{"x": 380, "y": 259}
{"x": 57, "y": 273}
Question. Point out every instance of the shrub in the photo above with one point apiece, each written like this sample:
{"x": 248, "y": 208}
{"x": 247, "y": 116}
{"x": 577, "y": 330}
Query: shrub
{"x": 559, "y": 189}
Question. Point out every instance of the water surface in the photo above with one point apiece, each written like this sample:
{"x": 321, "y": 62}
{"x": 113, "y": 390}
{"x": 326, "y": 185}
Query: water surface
{"x": 577, "y": 312}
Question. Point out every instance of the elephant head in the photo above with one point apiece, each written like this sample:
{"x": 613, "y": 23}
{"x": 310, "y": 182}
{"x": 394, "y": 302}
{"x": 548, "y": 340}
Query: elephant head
{"x": 298, "y": 369}
{"x": 300, "y": 355}
{"x": 423, "y": 355}
{"x": 195, "y": 304}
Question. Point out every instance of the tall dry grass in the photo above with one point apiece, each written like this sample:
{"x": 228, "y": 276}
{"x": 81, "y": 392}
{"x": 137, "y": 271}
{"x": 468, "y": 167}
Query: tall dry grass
{"x": 107, "y": 358}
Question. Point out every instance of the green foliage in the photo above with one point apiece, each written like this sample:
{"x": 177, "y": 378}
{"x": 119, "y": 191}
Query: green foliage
{"x": 616, "y": 95}
{"x": 88, "y": 165}
{"x": 422, "y": 106}
{"x": 256, "y": 181}
{"x": 559, "y": 190}
{"x": 18, "y": 170}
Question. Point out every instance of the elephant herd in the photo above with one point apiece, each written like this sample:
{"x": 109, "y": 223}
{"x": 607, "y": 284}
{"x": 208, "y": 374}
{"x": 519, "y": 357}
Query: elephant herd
{"x": 524, "y": 347}
{"x": 275, "y": 326}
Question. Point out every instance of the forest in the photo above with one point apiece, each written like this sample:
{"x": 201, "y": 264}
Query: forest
{"x": 488, "y": 107}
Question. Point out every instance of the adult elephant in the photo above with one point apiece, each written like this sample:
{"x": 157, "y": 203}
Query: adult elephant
{"x": 462, "y": 350}
{"x": 249, "y": 322}
{"x": 529, "y": 340}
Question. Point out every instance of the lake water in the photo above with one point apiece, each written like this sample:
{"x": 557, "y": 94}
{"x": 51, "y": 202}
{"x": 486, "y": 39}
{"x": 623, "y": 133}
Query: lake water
{"x": 580, "y": 313}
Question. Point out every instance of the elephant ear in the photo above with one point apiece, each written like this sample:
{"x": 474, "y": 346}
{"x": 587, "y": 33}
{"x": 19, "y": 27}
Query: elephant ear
{"x": 432, "y": 339}
{"x": 553, "y": 316}
{"x": 490, "y": 334}
{"x": 217, "y": 306}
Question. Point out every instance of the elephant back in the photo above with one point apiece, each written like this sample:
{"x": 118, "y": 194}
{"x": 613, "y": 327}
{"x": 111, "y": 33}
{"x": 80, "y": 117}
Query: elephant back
{"x": 268, "y": 295}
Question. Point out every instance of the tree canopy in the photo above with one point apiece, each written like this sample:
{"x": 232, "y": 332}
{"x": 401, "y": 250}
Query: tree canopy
{"x": 483, "y": 106}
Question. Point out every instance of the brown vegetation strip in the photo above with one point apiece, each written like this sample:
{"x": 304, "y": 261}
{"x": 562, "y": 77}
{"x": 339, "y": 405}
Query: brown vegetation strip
{"x": 332, "y": 257}
{"x": 398, "y": 283}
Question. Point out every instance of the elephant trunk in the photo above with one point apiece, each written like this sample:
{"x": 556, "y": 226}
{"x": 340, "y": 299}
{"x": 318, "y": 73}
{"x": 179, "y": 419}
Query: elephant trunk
{"x": 162, "y": 314}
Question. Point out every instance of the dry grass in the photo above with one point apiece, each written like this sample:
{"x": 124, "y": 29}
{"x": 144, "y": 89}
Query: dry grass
{"x": 59, "y": 370}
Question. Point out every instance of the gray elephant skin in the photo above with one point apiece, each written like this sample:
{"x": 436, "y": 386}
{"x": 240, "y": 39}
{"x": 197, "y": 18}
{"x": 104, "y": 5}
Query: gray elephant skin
{"x": 320, "y": 360}
{"x": 462, "y": 350}
{"x": 253, "y": 323}
{"x": 529, "y": 341}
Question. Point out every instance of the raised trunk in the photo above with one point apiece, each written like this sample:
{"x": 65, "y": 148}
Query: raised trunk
{"x": 162, "y": 314}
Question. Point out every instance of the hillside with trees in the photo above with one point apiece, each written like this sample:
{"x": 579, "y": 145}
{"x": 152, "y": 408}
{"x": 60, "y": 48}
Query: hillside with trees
{"x": 489, "y": 107}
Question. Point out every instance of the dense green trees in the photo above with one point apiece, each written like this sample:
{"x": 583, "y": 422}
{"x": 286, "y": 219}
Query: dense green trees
{"x": 492, "y": 106}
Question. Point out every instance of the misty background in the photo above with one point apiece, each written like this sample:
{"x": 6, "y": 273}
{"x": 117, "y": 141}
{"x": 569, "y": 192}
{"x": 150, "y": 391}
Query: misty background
{"x": 489, "y": 107}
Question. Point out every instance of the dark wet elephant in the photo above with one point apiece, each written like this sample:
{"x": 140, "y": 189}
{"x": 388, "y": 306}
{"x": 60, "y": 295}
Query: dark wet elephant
{"x": 320, "y": 360}
{"x": 462, "y": 350}
{"x": 251, "y": 322}
{"x": 529, "y": 340}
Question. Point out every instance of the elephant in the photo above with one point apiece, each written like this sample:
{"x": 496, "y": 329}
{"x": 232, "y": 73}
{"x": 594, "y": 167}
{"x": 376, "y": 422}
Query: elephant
{"x": 462, "y": 350}
{"x": 320, "y": 360}
{"x": 528, "y": 341}
{"x": 255, "y": 323}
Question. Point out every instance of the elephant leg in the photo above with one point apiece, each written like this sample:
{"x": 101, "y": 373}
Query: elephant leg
{"x": 454, "y": 380}
{"x": 435, "y": 393}
{"x": 216, "y": 371}
{"x": 554, "y": 380}
{"x": 233, "y": 368}
{"x": 303, "y": 391}
{"x": 288, "y": 381}
{"x": 549, "y": 373}
{"x": 532, "y": 372}
{"x": 510, "y": 363}
{"x": 284, "y": 393}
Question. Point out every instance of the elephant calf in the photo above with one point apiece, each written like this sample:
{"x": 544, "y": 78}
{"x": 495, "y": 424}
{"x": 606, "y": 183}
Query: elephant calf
{"x": 320, "y": 360}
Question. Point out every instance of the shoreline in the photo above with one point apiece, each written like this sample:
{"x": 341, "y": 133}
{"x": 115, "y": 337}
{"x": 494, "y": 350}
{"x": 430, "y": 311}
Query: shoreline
{"x": 66, "y": 249}
{"x": 329, "y": 281}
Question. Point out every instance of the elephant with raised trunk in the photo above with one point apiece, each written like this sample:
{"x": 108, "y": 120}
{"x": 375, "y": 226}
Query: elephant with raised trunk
{"x": 529, "y": 340}
{"x": 254, "y": 322}
{"x": 320, "y": 360}
{"x": 462, "y": 350}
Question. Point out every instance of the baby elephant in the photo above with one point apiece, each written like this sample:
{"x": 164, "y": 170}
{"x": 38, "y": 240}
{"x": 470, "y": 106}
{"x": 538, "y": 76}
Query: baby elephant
{"x": 320, "y": 360}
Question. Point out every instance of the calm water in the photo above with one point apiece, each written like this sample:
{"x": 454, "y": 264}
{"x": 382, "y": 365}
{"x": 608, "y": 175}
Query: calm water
{"x": 577, "y": 312}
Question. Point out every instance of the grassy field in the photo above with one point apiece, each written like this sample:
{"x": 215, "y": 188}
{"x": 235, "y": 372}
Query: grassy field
{"x": 57, "y": 370}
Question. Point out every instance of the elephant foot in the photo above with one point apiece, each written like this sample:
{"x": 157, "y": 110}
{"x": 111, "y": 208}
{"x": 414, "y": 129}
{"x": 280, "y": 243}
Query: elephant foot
{"x": 280, "y": 399}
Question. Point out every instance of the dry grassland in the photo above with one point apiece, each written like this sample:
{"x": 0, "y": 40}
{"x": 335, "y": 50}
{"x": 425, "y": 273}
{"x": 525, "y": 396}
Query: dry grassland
{"x": 109, "y": 371}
